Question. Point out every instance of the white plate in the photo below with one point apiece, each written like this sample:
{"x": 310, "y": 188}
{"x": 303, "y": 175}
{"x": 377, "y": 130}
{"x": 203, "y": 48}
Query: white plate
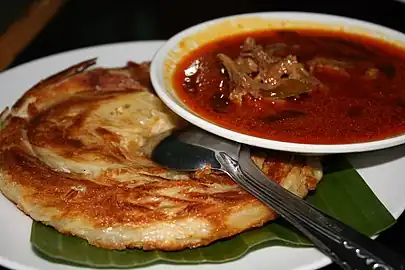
{"x": 167, "y": 58}
{"x": 15, "y": 249}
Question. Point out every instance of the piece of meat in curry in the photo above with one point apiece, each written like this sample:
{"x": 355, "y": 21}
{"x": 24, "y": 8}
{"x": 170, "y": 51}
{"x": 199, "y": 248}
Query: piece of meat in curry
{"x": 260, "y": 72}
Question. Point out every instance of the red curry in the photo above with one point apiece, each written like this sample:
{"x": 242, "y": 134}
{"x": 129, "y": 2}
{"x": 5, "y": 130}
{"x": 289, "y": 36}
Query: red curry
{"x": 300, "y": 86}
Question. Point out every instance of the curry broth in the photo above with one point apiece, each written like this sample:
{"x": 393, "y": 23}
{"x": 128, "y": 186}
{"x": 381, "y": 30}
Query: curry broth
{"x": 365, "y": 103}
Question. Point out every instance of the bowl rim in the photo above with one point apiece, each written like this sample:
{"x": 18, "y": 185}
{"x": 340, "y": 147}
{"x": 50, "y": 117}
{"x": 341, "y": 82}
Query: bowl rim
{"x": 157, "y": 79}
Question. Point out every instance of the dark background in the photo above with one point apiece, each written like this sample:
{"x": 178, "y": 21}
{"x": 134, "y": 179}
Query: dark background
{"x": 14, "y": 8}
{"x": 82, "y": 23}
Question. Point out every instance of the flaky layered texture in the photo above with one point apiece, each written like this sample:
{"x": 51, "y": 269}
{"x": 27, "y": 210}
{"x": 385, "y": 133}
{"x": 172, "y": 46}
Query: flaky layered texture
{"x": 74, "y": 154}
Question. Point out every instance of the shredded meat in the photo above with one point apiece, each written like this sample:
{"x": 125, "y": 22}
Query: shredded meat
{"x": 329, "y": 65}
{"x": 261, "y": 73}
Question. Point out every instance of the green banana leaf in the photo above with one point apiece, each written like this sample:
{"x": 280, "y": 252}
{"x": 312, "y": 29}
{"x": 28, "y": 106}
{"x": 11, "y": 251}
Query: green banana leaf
{"x": 342, "y": 193}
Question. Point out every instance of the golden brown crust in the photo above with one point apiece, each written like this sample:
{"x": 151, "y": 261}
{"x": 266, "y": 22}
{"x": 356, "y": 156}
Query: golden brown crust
{"x": 70, "y": 161}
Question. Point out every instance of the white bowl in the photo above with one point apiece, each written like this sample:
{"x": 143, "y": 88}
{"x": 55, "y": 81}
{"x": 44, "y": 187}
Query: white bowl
{"x": 171, "y": 53}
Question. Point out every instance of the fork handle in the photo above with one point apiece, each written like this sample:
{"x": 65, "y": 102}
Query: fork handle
{"x": 344, "y": 245}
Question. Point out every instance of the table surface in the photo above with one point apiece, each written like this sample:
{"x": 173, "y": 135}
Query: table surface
{"x": 87, "y": 23}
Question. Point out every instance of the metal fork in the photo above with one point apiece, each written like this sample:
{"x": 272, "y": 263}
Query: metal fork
{"x": 193, "y": 148}
{"x": 344, "y": 245}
